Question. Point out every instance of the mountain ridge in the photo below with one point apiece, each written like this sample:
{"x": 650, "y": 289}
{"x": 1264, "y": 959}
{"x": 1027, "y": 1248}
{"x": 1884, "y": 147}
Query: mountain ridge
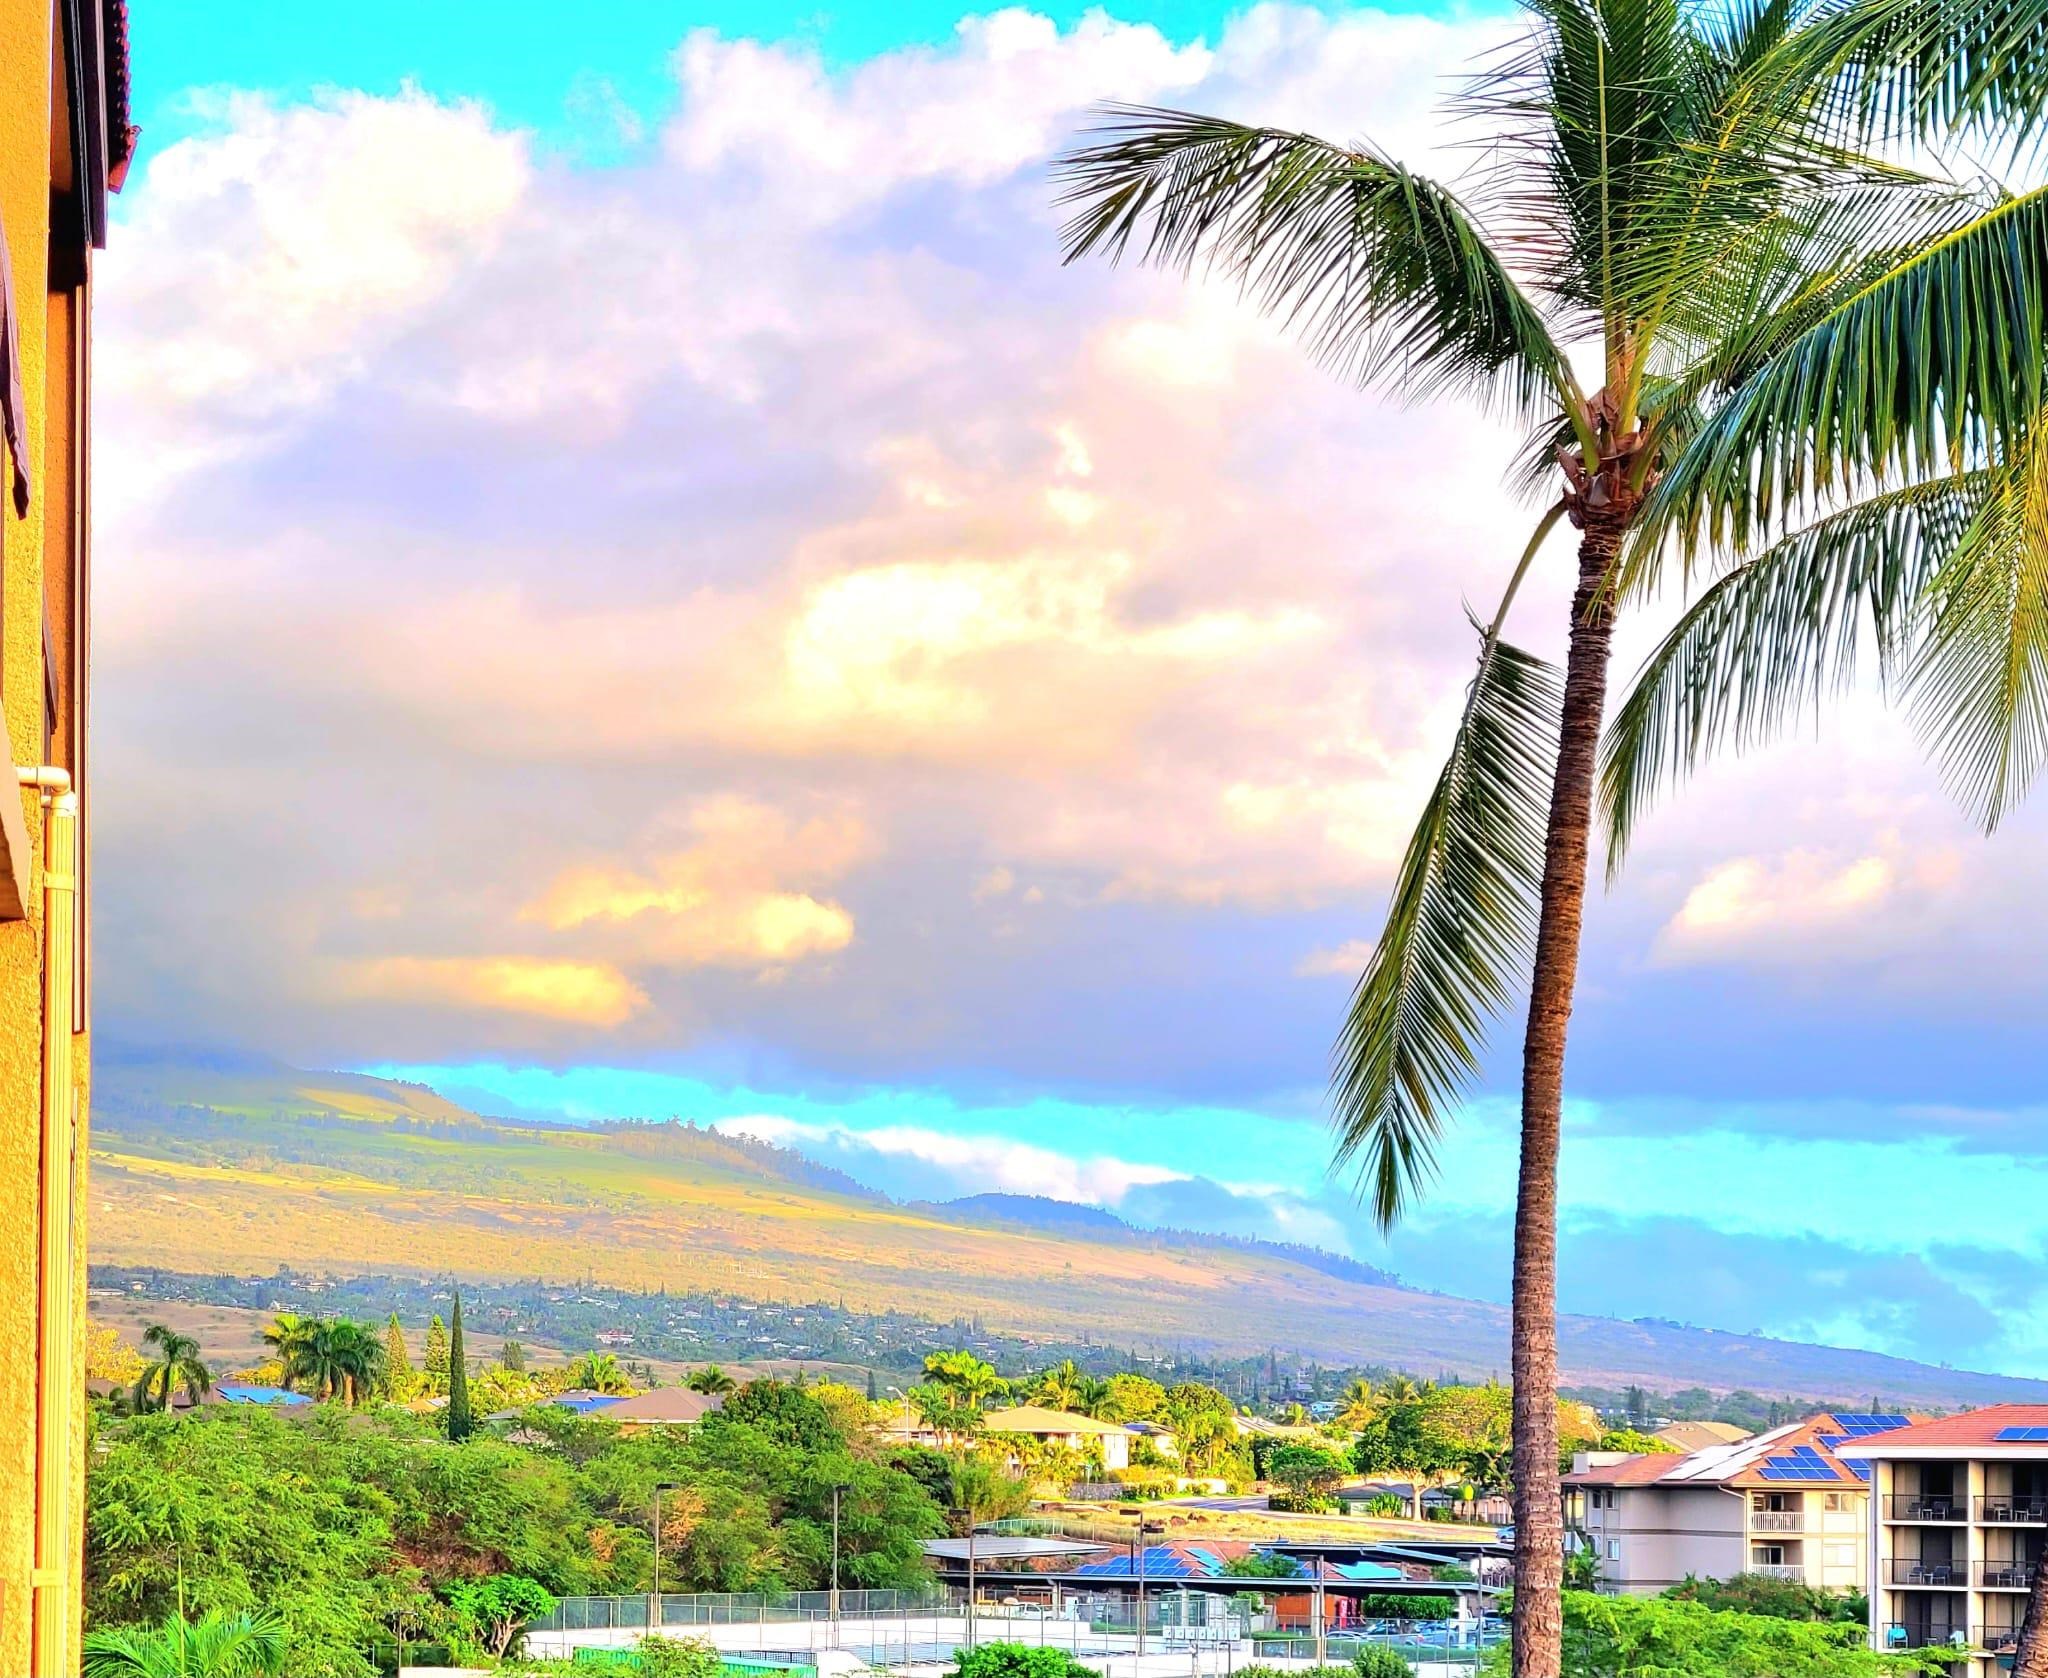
{"x": 242, "y": 1170}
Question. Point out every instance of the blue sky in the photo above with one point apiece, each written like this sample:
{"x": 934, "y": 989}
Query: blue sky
{"x": 679, "y": 604}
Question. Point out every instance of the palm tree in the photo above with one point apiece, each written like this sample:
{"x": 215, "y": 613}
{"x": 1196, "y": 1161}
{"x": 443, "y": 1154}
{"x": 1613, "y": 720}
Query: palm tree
{"x": 286, "y": 1337}
{"x": 217, "y": 1645}
{"x": 976, "y": 1382}
{"x": 1697, "y": 193}
{"x": 1094, "y": 1396}
{"x": 334, "y": 1358}
{"x": 1059, "y": 1388}
{"x": 599, "y": 1372}
{"x": 712, "y": 1381}
{"x": 1360, "y": 1403}
{"x": 173, "y": 1362}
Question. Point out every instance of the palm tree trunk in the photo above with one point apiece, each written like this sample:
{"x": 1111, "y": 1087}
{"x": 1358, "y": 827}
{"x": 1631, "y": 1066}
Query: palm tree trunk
{"x": 1539, "y": 1514}
{"x": 2030, "y": 1659}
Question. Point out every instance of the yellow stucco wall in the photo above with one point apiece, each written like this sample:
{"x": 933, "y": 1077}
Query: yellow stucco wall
{"x": 25, "y": 92}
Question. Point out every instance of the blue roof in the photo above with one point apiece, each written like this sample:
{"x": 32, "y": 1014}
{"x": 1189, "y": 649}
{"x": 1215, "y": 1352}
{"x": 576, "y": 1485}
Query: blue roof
{"x": 237, "y": 1393}
{"x": 1368, "y": 1570}
{"x": 584, "y": 1406}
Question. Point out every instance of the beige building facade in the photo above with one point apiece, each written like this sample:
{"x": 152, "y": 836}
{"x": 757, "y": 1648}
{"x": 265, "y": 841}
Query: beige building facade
{"x": 1961, "y": 1524}
{"x": 1779, "y": 1504}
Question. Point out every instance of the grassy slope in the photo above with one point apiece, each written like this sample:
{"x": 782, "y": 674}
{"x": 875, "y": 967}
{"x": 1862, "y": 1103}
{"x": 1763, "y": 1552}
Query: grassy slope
{"x": 240, "y": 1172}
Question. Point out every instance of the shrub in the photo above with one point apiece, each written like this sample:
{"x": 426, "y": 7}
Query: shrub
{"x": 1375, "y": 1660}
{"x": 1017, "y": 1660}
{"x": 678, "y": 1657}
{"x": 1388, "y": 1607}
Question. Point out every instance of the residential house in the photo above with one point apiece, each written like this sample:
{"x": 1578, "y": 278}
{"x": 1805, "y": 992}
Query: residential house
{"x": 661, "y": 1407}
{"x": 1781, "y": 1503}
{"x": 1161, "y": 1439}
{"x": 1106, "y": 1441}
{"x": 1962, "y": 1517}
{"x": 1699, "y": 1436}
{"x": 65, "y": 143}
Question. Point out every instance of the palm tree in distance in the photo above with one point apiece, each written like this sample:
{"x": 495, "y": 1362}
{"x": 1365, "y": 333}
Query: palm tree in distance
{"x": 599, "y": 1372}
{"x": 1797, "y": 348}
{"x": 287, "y": 1337}
{"x": 216, "y": 1645}
{"x": 711, "y": 1381}
{"x": 1059, "y": 1388}
{"x": 173, "y": 1364}
{"x": 975, "y": 1382}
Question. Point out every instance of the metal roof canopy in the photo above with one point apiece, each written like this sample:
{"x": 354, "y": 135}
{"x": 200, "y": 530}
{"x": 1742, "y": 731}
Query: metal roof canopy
{"x": 1228, "y": 1585}
{"x": 995, "y": 1547}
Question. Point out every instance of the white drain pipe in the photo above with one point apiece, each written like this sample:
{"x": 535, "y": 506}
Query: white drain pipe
{"x": 56, "y": 1578}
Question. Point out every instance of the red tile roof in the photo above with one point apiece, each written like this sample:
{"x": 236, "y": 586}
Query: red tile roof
{"x": 1630, "y": 1471}
{"x": 1972, "y": 1427}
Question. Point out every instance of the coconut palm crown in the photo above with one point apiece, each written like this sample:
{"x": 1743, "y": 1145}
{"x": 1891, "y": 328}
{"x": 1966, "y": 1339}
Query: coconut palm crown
{"x": 1745, "y": 340}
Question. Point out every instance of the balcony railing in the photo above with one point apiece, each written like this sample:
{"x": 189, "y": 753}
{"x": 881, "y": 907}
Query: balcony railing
{"x": 1776, "y": 1520}
{"x": 1926, "y": 1506}
{"x": 1998, "y": 1640}
{"x": 1923, "y": 1635}
{"x": 1906, "y": 1571}
{"x": 1778, "y": 1569}
{"x": 2005, "y": 1575}
{"x": 2010, "y": 1510}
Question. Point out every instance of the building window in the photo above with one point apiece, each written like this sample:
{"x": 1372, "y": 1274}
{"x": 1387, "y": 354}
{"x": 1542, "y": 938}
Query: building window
{"x": 1614, "y": 1549}
{"x": 1834, "y": 1503}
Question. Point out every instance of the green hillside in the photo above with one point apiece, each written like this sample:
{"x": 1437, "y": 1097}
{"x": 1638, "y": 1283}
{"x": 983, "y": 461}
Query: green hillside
{"x": 240, "y": 1170}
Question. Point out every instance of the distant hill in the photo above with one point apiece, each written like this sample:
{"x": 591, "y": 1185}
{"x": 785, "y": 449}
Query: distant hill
{"x": 236, "y": 1168}
{"x": 1036, "y": 1211}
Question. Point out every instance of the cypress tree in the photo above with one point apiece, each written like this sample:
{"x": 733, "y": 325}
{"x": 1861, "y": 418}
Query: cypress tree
{"x": 872, "y": 1395}
{"x": 397, "y": 1362}
{"x": 436, "y": 1359}
{"x": 460, "y": 1424}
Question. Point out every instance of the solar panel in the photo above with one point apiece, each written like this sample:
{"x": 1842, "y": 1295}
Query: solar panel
{"x": 1860, "y": 1422}
{"x": 2022, "y": 1435}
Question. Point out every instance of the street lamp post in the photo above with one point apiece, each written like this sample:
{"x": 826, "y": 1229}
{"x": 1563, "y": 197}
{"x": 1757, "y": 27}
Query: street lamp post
{"x": 900, "y": 1393}
{"x": 1138, "y": 1553}
{"x": 654, "y": 1604}
{"x": 836, "y": 1489}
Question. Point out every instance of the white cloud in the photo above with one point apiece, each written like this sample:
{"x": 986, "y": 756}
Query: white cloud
{"x": 972, "y": 1163}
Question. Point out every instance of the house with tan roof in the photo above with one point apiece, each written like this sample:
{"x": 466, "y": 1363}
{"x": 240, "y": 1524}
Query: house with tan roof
{"x": 1108, "y": 1440}
{"x": 1781, "y": 1503}
{"x": 1698, "y": 1436}
{"x": 1961, "y": 1506}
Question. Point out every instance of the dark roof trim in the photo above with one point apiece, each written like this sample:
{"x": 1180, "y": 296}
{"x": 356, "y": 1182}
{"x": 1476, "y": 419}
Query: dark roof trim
{"x": 96, "y": 90}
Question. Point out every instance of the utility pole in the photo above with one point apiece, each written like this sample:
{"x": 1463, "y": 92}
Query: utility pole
{"x": 836, "y": 1489}
{"x": 1139, "y": 1553}
{"x": 654, "y": 1607}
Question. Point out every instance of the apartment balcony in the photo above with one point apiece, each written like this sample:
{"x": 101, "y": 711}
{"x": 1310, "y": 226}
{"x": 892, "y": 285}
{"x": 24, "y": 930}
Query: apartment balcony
{"x": 1922, "y": 1574}
{"x": 1998, "y": 1640}
{"x": 1936, "y": 1508}
{"x": 2005, "y": 1575}
{"x": 1778, "y": 1569}
{"x": 1776, "y": 1520}
{"x": 1923, "y": 1635}
{"x": 2008, "y": 1510}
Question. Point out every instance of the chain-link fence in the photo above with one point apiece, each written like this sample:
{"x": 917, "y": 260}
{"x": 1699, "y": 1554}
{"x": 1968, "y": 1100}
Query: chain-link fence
{"x": 1196, "y": 1634}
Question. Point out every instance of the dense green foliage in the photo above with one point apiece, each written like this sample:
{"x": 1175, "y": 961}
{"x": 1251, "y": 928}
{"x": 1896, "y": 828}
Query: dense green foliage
{"x": 1307, "y": 1475}
{"x": 1760, "y": 1593}
{"x": 171, "y": 1364}
{"x": 461, "y": 1420}
{"x": 1377, "y": 1661}
{"x": 354, "y": 1525}
{"x": 1018, "y": 1660}
{"x": 1647, "y": 1637}
{"x": 678, "y": 1657}
{"x": 216, "y": 1646}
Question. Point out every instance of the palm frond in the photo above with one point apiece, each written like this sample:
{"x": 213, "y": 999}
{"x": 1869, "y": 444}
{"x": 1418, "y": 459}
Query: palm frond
{"x": 1980, "y": 683}
{"x": 1916, "y": 70}
{"x": 1460, "y": 924}
{"x": 1768, "y": 640}
{"x": 1382, "y": 272}
{"x": 1936, "y": 362}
